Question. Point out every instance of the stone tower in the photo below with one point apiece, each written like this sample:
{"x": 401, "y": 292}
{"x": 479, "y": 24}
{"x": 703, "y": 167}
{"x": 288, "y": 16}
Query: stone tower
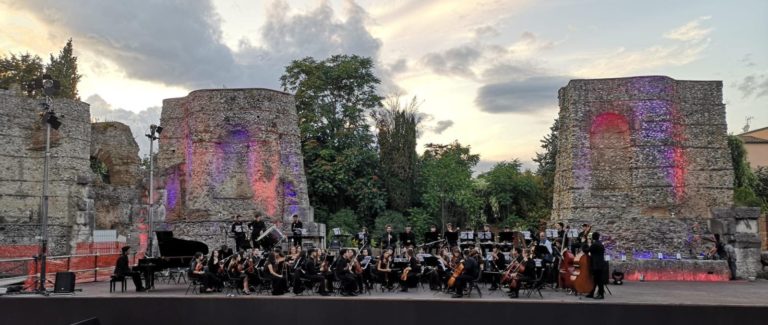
{"x": 230, "y": 151}
{"x": 644, "y": 159}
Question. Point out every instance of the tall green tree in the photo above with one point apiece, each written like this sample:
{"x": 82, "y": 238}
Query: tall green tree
{"x": 397, "y": 123}
{"x": 20, "y": 69}
{"x": 744, "y": 181}
{"x": 64, "y": 69}
{"x": 547, "y": 161}
{"x": 513, "y": 193}
{"x": 445, "y": 175}
{"x": 333, "y": 98}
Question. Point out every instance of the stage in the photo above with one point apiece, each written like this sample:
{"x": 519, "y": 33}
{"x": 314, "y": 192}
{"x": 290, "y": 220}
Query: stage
{"x": 738, "y": 302}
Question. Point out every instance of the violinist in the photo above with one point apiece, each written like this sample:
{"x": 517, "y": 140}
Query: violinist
{"x": 598, "y": 265}
{"x": 276, "y": 268}
{"x": 344, "y": 273}
{"x": 451, "y": 235}
{"x": 471, "y": 272}
{"x": 236, "y": 270}
{"x": 409, "y": 278}
{"x": 251, "y": 265}
{"x": 431, "y": 237}
{"x": 298, "y": 272}
{"x": 384, "y": 269}
{"x": 440, "y": 274}
{"x": 198, "y": 271}
{"x": 365, "y": 259}
{"x": 407, "y": 239}
{"x": 311, "y": 272}
{"x": 216, "y": 266}
{"x": 388, "y": 239}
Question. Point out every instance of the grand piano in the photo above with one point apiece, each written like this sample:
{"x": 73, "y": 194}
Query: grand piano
{"x": 174, "y": 253}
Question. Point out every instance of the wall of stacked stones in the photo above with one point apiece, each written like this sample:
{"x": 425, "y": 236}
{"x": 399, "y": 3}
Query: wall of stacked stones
{"x": 644, "y": 159}
{"x": 22, "y": 135}
{"x": 229, "y": 151}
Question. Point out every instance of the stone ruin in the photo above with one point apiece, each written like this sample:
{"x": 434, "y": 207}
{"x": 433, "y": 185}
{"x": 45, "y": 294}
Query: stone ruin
{"x": 225, "y": 152}
{"x": 644, "y": 160}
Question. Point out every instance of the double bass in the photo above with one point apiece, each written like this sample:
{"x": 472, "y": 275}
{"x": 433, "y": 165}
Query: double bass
{"x": 581, "y": 276}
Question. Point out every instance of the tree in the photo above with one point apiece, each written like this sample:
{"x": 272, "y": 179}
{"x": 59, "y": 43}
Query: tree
{"x": 445, "y": 175}
{"x": 20, "y": 70}
{"x": 397, "y": 124}
{"x": 547, "y": 162}
{"x": 333, "y": 98}
{"x": 744, "y": 180}
{"x": 64, "y": 69}
{"x": 513, "y": 193}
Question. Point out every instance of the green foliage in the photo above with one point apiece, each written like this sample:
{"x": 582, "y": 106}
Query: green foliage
{"x": 100, "y": 168}
{"x": 745, "y": 196}
{"x": 761, "y": 185}
{"x": 397, "y": 125}
{"x": 420, "y": 220}
{"x": 64, "y": 69}
{"x": 446, "y": 183}
{"x": 26, "y": 67}
{"x": 346, "y": 220}
{"x": 388, "y": 217}
{"x": 547, "y": 162}
{"x": 20, "y": 70}
{"x": 333, "y": 97}
{"x": 744, "y": 181}
{"x": 510, "y": 192}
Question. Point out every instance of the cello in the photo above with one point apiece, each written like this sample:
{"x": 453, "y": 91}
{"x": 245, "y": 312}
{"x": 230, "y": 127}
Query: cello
{"x": 456, "y": 273}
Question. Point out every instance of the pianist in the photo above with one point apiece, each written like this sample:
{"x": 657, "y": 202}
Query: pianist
{"x": 123, "y": 270}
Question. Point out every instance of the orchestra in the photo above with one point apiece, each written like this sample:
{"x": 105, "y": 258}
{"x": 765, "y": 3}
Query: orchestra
{"x": 510, "y": 260}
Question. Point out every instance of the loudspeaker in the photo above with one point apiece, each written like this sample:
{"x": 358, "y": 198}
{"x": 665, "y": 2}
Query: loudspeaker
{"x": 65, "y": 282}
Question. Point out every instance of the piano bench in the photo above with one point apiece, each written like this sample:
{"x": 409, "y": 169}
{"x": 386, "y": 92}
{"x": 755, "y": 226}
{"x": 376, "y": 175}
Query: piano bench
{"x": 113, "y": 281}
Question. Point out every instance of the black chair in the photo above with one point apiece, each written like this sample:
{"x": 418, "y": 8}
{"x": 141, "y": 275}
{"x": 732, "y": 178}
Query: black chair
{"x": 113, "y": 282}
{"x": 194, "y": 283}
{"x": 473, "y": 284}
{"x": 535, "y": 284}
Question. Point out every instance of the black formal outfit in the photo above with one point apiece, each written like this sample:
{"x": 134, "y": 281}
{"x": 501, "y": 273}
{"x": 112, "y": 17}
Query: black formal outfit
{"x": 385, "y": 277}
{"x": 431, "y": 237}
{"x": 296, "y": 228}
{"x": 471, "y": 271}
{"x": 256, "y": 228}
{"x": 123, "y": 270}
{"x": 363, "y": 240}
{"x": 388, "y": 241}
{"x": 413, "y": 275}
{"x": 311, "y": 272}
{"x": 238, "y": 229}
{"x": 598, "y": 266}
{"x": 347, "y": 278}
{"x": 279, "y": 284}
{"x": 452, "y": 237}
{"x": 407, "y": 240}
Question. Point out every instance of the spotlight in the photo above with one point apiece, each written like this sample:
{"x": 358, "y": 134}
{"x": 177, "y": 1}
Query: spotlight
{"x": 618, "y": 277}
{"x": 159, "y": 129}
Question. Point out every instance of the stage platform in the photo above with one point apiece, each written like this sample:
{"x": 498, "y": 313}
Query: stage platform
{"x": 738, "y": 302}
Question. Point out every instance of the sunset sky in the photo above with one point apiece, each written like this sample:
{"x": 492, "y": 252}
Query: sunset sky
{"x": 487, "y": 71}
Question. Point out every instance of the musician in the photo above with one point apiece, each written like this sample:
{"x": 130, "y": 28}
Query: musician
{"x": 388, "y": 239}
{"x": 251, "y": 271}
{"x": 343, "y": 272}
{"x": 598, "y": 265}
{"x": 298, "y": 272}
{"x": 366, "y": 267}
{"x": 545, "y": 251}
{"x": 296, "y": 229}
{"x": 276, "y": 268}
{"x": 560, "y": 229}
{"x": 238, "y": 229}
{"x": 451, "y": 235}
{"x": 583, "y": 235}
{"x": 471, "y": 272}
{"x": 235, "y": 270}
{"x": 498, "y": 264}
{"x": 431, "y": 237}
{"x": 384, "y": 269}
{"x": 216, "y": 265}
{"x": 311, "y": 272}
{"x": 257, "y": 226}
{"x": 198, "y": 271}
{"x": 122, "y": 269}
{"x": 407, "y": 239}
{"x": 413, "y": 269}
{"x": 519, "y": 262}
{"x": 364, "y": 238}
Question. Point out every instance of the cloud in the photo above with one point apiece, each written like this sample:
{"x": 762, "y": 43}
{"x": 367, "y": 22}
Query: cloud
{"x": 180, "y": 43}
{"x": 692, "y": 31}
{"x": 520, "y": 96}
{"x": 139, "y": 122}
{"x": 753, "y": 84}
{"x": 456, "y": 61}
{"x": 442, "y": 126}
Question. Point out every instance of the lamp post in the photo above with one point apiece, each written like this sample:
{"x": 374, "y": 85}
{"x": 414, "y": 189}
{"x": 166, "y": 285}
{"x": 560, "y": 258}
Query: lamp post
{"x": 154, "y": 134}
{"x": 49, "y": 87}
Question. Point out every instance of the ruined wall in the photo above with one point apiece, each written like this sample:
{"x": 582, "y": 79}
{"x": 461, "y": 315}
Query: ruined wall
{"x": 22, "y": 135}
{"x": 643, "y": 159}
{"x": 118, "y": 197}
{"x": 225, "y": 152}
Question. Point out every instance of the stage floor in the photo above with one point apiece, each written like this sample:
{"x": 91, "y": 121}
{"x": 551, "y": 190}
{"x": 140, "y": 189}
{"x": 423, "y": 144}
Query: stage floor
{"x": 734, "y": 293}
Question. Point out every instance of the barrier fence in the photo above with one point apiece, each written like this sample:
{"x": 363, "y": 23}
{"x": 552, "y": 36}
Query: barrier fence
{"x": 87, "y": 268}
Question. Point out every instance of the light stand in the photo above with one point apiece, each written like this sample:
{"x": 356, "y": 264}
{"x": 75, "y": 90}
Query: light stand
{"x": 49, "y": 87}
{"x": 154, "y": 133}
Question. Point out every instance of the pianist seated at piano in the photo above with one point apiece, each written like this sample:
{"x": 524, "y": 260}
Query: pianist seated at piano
{"x": 123, "y": 270}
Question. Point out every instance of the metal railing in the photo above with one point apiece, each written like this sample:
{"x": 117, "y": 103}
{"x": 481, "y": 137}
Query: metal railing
{"x": 27, "y": 270}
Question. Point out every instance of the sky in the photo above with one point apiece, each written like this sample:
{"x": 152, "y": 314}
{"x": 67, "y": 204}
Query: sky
{"x": 486, "y": 72}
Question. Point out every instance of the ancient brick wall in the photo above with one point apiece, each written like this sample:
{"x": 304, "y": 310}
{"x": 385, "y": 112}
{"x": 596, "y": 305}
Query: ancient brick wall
{"x": 225, "y": 152}
{"x": 22, "y": 135}
{"x": 643, "y": 159}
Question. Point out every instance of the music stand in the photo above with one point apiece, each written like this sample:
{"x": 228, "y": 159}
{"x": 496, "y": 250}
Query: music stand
{"x": 467, "y": 235}
{"x": 430, "y": 261}
{"x": 484, "y": 236}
